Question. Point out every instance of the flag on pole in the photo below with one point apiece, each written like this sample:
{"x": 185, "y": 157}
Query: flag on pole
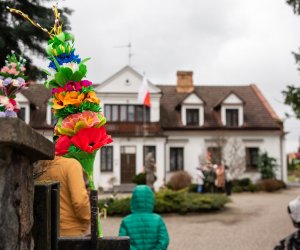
{"x": 144, "y": 94}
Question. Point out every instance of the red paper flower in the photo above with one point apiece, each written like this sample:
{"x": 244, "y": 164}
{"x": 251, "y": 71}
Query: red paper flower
{"x": 62, "y": 145}
{"x": 91, "y": 139}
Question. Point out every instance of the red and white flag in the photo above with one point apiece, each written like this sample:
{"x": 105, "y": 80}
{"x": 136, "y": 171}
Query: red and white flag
{"x": 144, "y": 94}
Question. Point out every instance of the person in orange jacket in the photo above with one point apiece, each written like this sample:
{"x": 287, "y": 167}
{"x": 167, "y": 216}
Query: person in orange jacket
{"x": 75, "y": 212}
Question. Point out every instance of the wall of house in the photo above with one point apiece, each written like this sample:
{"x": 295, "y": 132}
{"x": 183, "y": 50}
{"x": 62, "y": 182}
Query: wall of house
{"x": 195, "y": 146}
{"x": 102, "y": 179}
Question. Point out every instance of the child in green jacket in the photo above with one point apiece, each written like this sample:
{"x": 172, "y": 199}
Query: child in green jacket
{"x": 147, "y": 230}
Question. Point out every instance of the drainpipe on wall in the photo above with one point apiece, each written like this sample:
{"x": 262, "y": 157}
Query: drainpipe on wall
{"x": 283, "y": 158}
{"x": 165, "y": 162}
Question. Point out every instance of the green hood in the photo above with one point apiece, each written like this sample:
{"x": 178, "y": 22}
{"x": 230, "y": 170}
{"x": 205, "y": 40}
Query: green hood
{"x": 142, "y": 200}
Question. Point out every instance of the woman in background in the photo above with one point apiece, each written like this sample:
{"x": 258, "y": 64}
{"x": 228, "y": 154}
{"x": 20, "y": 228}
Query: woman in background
{"x": 75, "y": 212}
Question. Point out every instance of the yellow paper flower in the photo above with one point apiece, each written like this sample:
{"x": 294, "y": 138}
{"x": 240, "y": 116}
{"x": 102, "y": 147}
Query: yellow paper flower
{"x": 73, "y": 98}
{"x": 91, "y": 97}
{"x": 58, "y": 101}
{"x": 62, "y": 100}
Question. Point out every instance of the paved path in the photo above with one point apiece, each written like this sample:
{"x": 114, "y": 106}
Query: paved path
{"x": 251, "y": 222}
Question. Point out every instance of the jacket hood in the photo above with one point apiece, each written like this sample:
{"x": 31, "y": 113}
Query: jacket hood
{"x": 142, "y": 200}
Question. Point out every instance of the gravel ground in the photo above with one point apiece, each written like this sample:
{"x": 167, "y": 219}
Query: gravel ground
{"x": 249, "y": 222}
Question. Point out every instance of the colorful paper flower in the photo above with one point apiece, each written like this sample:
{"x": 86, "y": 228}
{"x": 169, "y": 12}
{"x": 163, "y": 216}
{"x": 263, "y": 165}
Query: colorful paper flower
{"x": 62, "y": 99}
{"x": 65, "y": 58}
{"x": 62, "y": 145}
{"x": 91, "y": 97}
{"x": 75, "y": 122}
{"x": 91, "y": 139}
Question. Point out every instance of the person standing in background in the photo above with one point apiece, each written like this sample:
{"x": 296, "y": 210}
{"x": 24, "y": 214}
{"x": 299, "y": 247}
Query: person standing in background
{"x": 220, "y": 178}
{"x": 228, "y": 180}
{"x": 200, "y": 180}
{"x": 147, "y": 230}
{"x": 75, "y": 212}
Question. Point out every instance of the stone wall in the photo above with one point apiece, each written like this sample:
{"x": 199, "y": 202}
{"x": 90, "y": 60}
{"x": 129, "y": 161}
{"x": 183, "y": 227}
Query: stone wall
{"x": 20, "y": 147}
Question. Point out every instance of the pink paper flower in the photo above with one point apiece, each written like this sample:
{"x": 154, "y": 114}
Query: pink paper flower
{"x": 75, "y": 122}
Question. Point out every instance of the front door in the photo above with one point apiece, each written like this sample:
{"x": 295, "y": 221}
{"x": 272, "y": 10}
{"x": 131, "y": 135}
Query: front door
{"x": 128, "y": 156}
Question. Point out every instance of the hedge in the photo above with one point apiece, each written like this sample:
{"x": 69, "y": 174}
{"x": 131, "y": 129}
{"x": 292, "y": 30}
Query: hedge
{"x": 168, "y": 201}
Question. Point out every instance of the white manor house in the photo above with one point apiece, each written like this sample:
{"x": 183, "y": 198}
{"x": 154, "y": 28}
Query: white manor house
{"x": 184, "y": 123}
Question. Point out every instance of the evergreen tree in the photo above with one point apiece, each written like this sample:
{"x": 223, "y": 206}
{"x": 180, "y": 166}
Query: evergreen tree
{"x": 292, "y": 93}
{"x": 21, "y": 36}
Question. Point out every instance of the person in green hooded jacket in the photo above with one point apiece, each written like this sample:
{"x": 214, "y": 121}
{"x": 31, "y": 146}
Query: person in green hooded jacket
{"x": 147, "y": 230}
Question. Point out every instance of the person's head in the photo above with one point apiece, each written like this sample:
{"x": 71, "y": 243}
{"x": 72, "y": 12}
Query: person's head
{"x": 142, "y": 200}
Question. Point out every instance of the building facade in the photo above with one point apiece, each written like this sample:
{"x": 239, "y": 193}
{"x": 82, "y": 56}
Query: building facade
{"x": 186, "y": 125}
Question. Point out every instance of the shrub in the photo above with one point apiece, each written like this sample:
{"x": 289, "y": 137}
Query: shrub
{"x": 271, "y": 185}
{"x": 139, "y": 179}
{"x": 180, "y": 180}
{"x": 254, "y": 188}
{"x": 267, "y": 166}
{"x": 193, "y": 188}
{"x": 244, "y": 182}
{"x": 168, "y": 201}
{"x": 117, "y": 206}
{"x": 237, "y": 189}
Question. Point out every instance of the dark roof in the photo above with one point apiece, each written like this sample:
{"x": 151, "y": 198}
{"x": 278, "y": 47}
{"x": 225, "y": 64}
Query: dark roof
{"x": 38, "y": 96}
{"x": 257, "y": 112}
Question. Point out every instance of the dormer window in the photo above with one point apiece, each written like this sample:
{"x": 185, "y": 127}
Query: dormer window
{"x": 232, "y": 117}
{"x": 232, "y": 111}
{"x": 51, "y": 120}
{"x": 192, "y": 111}
{"x": 192, "y": 117}
{"x": 24, "y": 112}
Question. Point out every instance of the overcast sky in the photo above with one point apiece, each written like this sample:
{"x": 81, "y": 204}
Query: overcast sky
{"x": 225, "y": 42}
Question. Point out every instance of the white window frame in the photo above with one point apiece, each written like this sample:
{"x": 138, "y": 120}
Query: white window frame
{"x": 240, "y": 113}
{"x": 49, "y": 113}
{"x": 27, "y": 111}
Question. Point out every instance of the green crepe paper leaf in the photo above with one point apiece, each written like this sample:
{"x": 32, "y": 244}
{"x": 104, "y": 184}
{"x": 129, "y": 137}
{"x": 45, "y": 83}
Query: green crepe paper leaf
{"x": 47, "y": 85}
{"x": 77, "y": 76}
{"x": 63, "y": 76}
{"x": 69, "y": 36}
{"x": 86, "y": 160}
{"x": 82, "y": 69}
{"x": 102, "y": 120}
{"x": 49, "y": 50}
{"x": 59, "y": 122}
{"x": 72, "y": 109}
{"x": 67, "y": 72}
{"x": 56, "y": 63}
{"x": 2, "y": 108}
{"x": 46, "y": 72}
{"x": 90, "y": 106}
{"x": 86, "y": 90}
{"x": 60, "y": 78}
{"x": 51, "y": 84}
{"x": 85, "y": 60}
{"x": 61, "y": 37}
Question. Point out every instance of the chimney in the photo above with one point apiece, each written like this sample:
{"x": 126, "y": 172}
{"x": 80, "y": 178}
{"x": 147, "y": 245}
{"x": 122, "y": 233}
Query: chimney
{"x": 185, "y": 82}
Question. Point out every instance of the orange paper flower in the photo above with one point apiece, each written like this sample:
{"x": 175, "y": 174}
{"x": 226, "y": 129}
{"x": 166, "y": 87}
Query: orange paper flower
{"x": 91, "y": 97}
{"x": 62, "y": 99}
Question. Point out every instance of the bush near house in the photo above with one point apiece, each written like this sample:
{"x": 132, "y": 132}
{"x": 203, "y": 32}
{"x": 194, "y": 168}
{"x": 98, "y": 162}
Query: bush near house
{"x": 267, "y": 166}
{"x": 246, "y": 185}
{"x": 139, "y": 179}
{"x": 180, "y": 180}
{"x": 271, "y": 185}
{"x": 168, "y": 201}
